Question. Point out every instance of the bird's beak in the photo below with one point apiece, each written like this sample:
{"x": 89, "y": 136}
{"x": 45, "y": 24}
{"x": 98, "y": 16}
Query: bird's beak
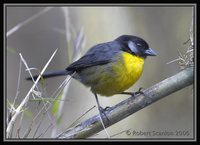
{"x": 150, "y": 52}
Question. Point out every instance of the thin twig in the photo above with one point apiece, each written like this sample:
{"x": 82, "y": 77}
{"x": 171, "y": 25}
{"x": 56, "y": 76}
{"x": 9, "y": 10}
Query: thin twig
{"x": 44, "y": 131}
{"x": 25, "y": 100}
{"x": 12, "y": 110}
{"x": 103, "y": 125}
{"x": 19, "y": 126}
{"x": 18, "y": 82}
{"x": 74, "y": 122}
{"x": 120, "y": 132}
{"x": 37, "y": 128}
{"x": 18, "y": 26}
{"x": 78, "y": 45}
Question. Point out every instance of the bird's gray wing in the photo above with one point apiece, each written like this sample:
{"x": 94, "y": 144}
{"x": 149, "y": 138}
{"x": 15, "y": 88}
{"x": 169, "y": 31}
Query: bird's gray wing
{"x": 98, "y": 55}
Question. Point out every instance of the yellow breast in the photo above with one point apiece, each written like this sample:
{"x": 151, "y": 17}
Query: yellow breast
{"x": 119, "y": 76}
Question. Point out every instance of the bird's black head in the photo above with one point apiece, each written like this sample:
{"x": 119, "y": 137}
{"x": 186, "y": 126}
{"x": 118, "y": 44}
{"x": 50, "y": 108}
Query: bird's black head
{"x": 135, "y": 45}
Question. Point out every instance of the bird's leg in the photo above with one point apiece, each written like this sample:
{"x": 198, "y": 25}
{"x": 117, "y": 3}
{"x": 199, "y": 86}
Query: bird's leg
{"x": 101, "y": 110}
{"x": 126, "y": 93}
{"x": 134, "y": 94}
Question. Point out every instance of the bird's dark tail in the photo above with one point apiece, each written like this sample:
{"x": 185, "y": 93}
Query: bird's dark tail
{"x": 51, "y": 74}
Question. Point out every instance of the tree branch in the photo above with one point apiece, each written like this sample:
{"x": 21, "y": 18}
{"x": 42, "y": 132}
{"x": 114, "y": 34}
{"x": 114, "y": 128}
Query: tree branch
{"x": 131, "y": 105}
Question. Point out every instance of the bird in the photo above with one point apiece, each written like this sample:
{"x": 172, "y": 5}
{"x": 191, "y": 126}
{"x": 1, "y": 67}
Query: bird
{"x": 109, "y": 68}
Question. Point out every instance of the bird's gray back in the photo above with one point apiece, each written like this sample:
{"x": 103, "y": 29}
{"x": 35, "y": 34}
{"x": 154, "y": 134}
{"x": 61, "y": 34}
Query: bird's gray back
{"x": 97, "y": 55}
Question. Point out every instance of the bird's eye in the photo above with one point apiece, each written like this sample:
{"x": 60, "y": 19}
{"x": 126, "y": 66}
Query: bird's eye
{"x": 139, "y": 45}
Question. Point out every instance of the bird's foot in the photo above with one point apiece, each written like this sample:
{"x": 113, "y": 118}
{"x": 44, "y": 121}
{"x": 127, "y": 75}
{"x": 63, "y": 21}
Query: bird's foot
{"x": 139, "y": 92}
{"x": 134, "y": 94}
{"x": 103, "y": 112}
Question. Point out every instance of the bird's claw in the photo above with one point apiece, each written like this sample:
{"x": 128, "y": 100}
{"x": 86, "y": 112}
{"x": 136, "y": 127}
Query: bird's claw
{"x": 102, "y": 112}
{"x": 140, "y": 91}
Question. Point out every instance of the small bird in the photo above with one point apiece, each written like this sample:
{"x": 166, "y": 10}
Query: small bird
{"x": 109, "y": 68}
